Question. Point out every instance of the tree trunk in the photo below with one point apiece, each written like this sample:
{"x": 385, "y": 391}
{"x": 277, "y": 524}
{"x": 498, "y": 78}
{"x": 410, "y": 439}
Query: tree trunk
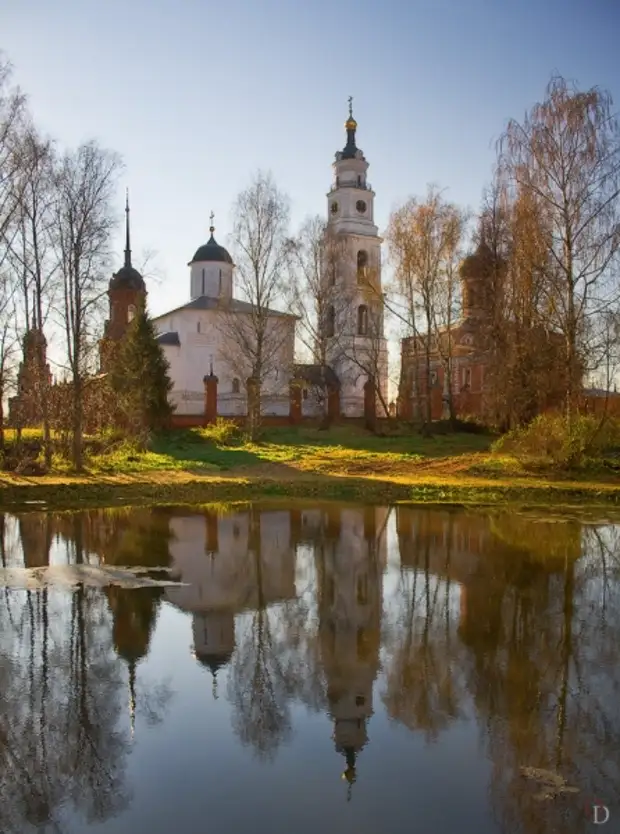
{"x": 77, "y": 423}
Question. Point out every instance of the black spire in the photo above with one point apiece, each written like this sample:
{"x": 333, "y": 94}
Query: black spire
{"x": 127, "y": 242}
{"x": 350, "y": 149}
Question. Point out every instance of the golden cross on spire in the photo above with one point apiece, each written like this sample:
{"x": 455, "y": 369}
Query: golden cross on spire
{"x": 350, "y": 107}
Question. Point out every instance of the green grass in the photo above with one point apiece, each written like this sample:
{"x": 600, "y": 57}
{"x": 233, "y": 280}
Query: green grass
{"x": 344, "y": 462}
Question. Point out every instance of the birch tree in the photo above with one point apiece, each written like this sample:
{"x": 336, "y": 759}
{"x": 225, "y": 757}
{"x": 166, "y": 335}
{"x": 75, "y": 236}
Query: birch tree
{"x": 85, "y": 183}
{"x": 255, "y": 338}
{"x": 314, "y": 255}
{"x": 565, "y": 154}
{"x": 425, "y": 242}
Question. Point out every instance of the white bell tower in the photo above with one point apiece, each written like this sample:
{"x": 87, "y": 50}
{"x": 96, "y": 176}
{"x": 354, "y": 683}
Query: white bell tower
{"x": 357, "y": 348}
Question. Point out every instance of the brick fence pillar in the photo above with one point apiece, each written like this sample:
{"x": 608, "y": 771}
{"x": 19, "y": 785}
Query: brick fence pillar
{"x": 333, "y": 403}
{"x": 210, "y": 383}
{"x": 370, "y": 404}
{"x": 295, "y": 399}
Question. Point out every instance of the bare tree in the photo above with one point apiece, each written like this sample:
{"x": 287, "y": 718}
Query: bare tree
{"x": 85, "y": 183}
{"x": 425, "y": 240}
{"x": 256, "y": 337}
{"x": 313, "y": 259}
{"x": 12, "y": 114}
{"x": 32, "y": 257}
{"x": 566, "y": 155}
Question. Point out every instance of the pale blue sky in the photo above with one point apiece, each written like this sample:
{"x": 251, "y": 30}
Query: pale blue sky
{"x": 197, "y": 95}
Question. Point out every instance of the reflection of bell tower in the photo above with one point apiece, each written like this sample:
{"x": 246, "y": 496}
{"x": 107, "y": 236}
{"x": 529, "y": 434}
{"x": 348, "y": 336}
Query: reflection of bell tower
{"x": 134, "y": 614}
{"x": 214, "y": 640}
{"x": 350, "y": 605}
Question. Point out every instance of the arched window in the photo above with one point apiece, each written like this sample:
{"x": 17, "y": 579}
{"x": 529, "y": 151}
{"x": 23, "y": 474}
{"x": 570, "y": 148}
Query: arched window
{"x": 362, "y": 266}
{"x": 330, "y": 321}
{"x": 131, "y": 313}
{"x": 359, "y": 179}
{"x": 235, "y": 386}
{"x": 197, "y": 327}
{"x": 362, "y": 320}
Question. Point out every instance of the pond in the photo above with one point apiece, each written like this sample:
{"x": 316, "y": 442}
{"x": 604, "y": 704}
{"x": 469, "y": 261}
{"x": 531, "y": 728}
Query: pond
{"x": 309, "y": 667}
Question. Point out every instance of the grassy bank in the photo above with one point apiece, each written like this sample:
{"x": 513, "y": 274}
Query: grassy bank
{"x": 345, "y": 463}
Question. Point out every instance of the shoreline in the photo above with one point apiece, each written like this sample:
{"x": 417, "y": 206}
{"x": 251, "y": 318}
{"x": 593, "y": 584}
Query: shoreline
{"x": 165, "y": 487}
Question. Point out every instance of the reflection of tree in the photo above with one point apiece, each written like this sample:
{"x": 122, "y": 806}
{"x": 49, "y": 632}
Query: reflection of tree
{"x": 59, "y": 712}
{"x": 424, "y": 687}
{"x": 261, "y": 683}
{"x": 61, "y": 685}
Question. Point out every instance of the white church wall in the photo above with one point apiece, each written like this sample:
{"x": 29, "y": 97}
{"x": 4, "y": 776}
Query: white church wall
{"x": 206, "y": 346}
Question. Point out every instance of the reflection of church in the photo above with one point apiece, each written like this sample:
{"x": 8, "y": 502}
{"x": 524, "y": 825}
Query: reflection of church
{"x": 248, "y": 560}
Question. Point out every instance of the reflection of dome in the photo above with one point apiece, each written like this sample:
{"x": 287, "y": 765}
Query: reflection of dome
{"x": 214, "y": 661}
{"x": 349, "y": 775}
{"x": 212, "y": 251}
{"x": 133, "y": 617}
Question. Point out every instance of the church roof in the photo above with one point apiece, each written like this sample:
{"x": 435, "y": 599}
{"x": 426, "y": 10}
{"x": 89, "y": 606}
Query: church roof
{"x": 211, "y": 251}
{"x": 169, "y": 338}
{"x": 235, "y": 305}
{"x": 127, "y": 278}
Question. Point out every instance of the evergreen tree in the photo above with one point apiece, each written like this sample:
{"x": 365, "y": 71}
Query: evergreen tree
{"x": 139, "y": 379}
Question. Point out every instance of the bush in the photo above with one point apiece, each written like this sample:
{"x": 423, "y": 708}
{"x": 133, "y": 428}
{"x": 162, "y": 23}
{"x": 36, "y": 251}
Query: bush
{"x": 564, "y": 444}
{"x": 222, "y": 432}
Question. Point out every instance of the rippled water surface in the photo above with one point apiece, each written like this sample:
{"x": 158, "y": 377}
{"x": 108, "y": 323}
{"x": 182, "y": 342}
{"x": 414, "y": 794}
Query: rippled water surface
{"x": 309, "y": 668}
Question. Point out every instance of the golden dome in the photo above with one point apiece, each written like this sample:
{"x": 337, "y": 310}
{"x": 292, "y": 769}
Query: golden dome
{"x": 350, "y": 124}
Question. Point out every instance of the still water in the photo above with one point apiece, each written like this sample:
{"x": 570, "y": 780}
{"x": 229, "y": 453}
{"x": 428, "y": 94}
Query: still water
{"x": 309, "y": 668}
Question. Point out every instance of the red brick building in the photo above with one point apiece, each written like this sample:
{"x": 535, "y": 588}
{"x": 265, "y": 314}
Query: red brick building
{"x": 465, "y": 349}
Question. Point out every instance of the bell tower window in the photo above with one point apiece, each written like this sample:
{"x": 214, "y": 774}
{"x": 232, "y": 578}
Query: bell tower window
{"x": 131, "y": 313}
{"x": 362, "y": 266}
{"x": 330, "y": 321}
{"x": 362, "y": 320}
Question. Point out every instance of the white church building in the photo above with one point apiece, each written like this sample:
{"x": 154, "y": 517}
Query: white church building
{"x": 198, "y": 340}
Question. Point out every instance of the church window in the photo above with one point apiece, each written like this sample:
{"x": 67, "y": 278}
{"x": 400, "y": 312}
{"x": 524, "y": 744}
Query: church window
{"x": 362, "y": 265}
{"x": 203, "y": 282}
{"x": 334, "y": 208}
{"x": 359, "y": 179}
{"x": 466, "y": 377}
{"x": 330, "y": 322}
{"x": 305, "y": 393}
{"x": 362, "y": 589}
{"x": 131, "y": 312}
{"x": 362, "y": 320}
{"x": 197, "y": 327}
{"x": 361, "y": 207}
{"x": 220, "y": 284}
{"x": 235, "y": 386}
